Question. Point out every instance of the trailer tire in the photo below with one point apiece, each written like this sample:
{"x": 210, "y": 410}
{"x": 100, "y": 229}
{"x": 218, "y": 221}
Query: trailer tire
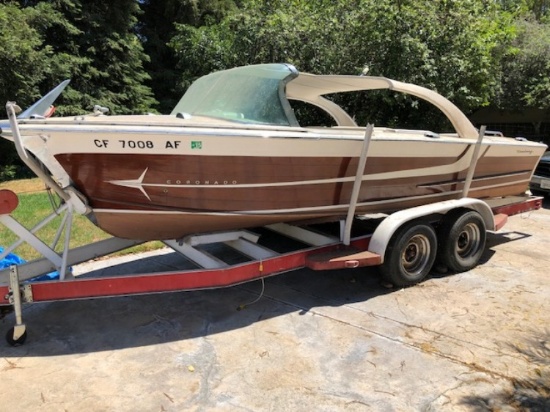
{"x": 462, "y": 238}
{"x": 536, "y": 192}
{"x": 410, "y": 254}
{"x": 15, "y": 342}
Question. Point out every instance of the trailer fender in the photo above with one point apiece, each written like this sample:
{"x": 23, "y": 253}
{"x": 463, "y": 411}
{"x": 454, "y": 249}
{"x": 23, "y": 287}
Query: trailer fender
{"x": 384, "y": 232}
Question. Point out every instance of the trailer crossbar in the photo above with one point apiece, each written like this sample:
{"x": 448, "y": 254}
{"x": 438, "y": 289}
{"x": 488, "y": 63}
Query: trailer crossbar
{"x": 80, "y": 288}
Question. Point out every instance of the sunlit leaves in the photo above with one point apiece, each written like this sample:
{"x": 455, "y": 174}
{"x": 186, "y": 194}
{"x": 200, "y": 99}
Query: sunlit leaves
{"x": 454, "y": 47}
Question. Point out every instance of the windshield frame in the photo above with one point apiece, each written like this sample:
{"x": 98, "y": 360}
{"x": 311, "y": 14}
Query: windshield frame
{"x": 253, "y": 94}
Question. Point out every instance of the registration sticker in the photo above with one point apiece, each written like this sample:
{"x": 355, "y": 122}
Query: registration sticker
{"x": 196, "y": 145}
{"x": 545, "y": 184}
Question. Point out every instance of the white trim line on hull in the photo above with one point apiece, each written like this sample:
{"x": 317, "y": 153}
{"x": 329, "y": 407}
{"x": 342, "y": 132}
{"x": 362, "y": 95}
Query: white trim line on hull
{"x": 316, "y": 209}
{"x": 312, "y": 209}
{"x": 137, "y": 183}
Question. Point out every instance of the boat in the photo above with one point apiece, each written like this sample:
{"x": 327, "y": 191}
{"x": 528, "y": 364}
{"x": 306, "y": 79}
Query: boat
{"x": 232, "y": 155}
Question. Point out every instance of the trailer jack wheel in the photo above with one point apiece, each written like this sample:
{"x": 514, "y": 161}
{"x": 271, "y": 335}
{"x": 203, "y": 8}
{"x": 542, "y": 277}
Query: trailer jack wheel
{"x": 410, "y": 254}
{"x": 462, "y": 239}
{"x": 16, "y": 336}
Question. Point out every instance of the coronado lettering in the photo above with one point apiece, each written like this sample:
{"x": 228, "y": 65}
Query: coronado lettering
{"x": 201, "y": 182}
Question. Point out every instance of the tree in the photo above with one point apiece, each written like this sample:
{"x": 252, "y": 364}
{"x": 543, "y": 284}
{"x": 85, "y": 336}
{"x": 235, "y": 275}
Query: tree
{"x": 526, "y": 80}
{"x": 434, "y": 44}
{"x": 25, "y": 63}
{"x": 157, "y": 27}
{"x": 97, "y": 47}
{"x": 539, "y": 8}
{"x": 111, "y": 72}
{"x": 93, "y": 43}
{"x": 525, "y": 75}
{"x": 25, "y": 60}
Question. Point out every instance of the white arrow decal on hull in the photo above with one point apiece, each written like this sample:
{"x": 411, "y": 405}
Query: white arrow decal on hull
{"x": 136, "y": 183}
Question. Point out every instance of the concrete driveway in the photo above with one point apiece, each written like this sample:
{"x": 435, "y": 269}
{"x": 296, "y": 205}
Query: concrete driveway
{"x": 323, "y": 341}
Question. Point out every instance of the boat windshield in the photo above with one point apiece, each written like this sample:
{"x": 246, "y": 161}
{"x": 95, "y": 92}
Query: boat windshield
{"x": 249, "y": 94}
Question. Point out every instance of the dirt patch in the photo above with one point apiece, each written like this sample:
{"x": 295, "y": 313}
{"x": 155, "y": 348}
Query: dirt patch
{"x": 24, "y": 185}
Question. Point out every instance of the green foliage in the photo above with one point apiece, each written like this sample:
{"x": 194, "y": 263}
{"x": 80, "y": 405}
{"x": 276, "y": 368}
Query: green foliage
{"x": 110, "y": 66}
{"x": 8, "y": 172}
{"x": 526, "y": 70}
{"x": 92, "y": 43}
{"x": 157, "y": 27}
{"x": 25, "y": 62}
{"x": 24, "y": 58}
{"x": 539, "y": 8}
{"x": 435, "y": 44}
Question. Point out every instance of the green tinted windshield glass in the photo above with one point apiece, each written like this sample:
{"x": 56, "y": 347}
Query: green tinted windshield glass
{"x": 249, "y": 94}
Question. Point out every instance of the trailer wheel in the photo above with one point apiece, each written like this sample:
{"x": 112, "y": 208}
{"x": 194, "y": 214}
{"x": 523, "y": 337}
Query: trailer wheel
{"x": 410, "y": 255}
{"x": 462, "y": 239}
{"x": 15, "y": 342}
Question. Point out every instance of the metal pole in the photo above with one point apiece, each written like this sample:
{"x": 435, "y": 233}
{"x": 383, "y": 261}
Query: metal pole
{"x": 22, "y": 152}
{"x": 19, "y": 328}
{"x": 473, "y": 162}
{"x": 357, "y": 184}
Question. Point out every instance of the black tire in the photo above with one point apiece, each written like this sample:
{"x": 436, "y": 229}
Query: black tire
{"x": 15, "y": 342}
{"x": 410, "y": 254}
{"x": 536, "y": 192}
{"x": 462, "y": 238}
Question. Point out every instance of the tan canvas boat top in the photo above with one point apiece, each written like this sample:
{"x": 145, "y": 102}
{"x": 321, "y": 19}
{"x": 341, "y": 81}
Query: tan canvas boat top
{"x": 311, "y": 88}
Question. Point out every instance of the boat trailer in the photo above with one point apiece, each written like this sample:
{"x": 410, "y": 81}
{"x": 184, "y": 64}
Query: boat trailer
{"x": 318, "y": 247}
{"x": 403, "y": 244}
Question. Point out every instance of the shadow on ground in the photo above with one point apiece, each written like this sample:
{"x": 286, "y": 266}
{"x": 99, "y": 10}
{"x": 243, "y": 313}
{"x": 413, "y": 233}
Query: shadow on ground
{"x": 66, "y": 327}
{"x": 59, "y": 328}
{"x": 530, "y": 393}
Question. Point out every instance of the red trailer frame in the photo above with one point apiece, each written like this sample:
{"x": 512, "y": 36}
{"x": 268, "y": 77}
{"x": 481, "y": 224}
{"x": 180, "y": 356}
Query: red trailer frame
{"x": 323, "y": 252}
{"x": 330, "y": 255}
